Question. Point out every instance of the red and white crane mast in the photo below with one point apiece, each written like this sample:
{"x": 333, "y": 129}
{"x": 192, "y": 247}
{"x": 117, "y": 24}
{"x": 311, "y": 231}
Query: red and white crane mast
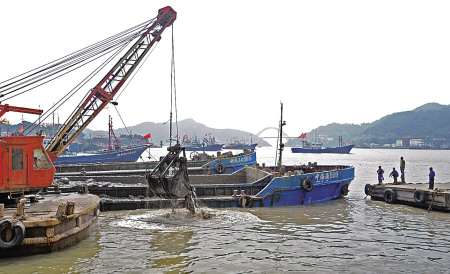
{"x": 104, "y": 91}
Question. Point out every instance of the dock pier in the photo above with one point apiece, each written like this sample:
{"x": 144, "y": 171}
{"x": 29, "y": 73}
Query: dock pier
{"x": 412, "y": 194}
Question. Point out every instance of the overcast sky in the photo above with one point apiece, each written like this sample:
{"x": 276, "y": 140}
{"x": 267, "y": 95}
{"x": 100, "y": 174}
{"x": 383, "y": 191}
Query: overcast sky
{"x": 327, "y": 61}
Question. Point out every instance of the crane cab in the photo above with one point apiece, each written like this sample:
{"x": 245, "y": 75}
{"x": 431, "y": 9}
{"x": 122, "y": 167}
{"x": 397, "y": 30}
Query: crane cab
{"x": 24, "y": 165}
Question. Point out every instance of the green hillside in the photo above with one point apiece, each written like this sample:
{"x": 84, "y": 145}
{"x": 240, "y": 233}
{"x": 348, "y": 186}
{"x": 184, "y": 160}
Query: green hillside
{"x": 426, "y": 122}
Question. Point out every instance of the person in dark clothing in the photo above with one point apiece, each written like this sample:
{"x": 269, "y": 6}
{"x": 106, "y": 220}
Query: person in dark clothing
{"x": 402, "y": 169}
{"x": 394, "y": 174}
{"x": 431, "y": 181}
{"x": 380, "y": 173}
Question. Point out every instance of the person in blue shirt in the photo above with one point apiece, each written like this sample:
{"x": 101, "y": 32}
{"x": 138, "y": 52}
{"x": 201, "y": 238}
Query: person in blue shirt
{"x": 431, "y": 181}
{"x": 394, "y": 174}
{"x": 380, "y": 175}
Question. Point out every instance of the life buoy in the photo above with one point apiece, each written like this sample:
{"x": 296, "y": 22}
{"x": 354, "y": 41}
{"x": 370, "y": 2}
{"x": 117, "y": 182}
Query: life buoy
{"x": 419, "y": 196}
{"x": 367, "y": 189}
{"x": 344, "y": 190}
{"x": 17, "y": 231}
{"x": 390, "y": 196}
{"x": 307, "y": 185}
{"x": 245, "y": 201}
{"x": 219, "y": 167}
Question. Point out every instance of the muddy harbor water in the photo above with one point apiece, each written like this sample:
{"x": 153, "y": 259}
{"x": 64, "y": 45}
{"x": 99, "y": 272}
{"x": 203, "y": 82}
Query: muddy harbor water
{"x": 353, "y": 234}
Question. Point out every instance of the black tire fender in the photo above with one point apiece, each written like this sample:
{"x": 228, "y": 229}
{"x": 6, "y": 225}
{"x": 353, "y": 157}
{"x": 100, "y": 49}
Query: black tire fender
{"x": 307, "y": 185}
{"x": 344, "y": 190}
{"x": 219, "y": 167}
{"x": 390, "y": 196}
{"x": 419, "y": 196}
{"x": 245, "y": 201}
{"x": 18, "y": 230}
{"x": 367, "y": 189}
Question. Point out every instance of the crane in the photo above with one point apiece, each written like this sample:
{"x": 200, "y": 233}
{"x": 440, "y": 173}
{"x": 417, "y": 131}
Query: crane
{"x": 25, "y": 165}
{"x": 105, "y": 90}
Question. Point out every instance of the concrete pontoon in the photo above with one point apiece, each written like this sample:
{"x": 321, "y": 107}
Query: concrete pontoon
{"x": 412, "y": 194}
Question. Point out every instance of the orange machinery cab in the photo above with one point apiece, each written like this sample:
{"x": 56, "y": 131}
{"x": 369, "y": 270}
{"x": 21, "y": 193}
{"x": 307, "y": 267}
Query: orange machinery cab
{"x": 25, "y": 165}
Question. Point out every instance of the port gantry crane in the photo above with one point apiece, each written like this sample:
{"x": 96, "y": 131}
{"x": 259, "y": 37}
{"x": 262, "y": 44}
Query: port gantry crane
{"x": 25, "y": 165}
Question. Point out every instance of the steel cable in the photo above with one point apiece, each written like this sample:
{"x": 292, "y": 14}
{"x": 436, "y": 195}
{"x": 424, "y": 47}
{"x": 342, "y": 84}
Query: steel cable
{"x": 68, "y": 57}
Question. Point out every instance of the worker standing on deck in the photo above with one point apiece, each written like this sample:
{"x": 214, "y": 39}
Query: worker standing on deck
{"x": 380, "y": 175}
{"x": 394, "y": 174}
{"x": 431, "y": 176}
{"x": 402, "y": 169}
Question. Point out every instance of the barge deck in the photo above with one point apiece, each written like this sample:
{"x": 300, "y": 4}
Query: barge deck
{"x": 51, "y": 224}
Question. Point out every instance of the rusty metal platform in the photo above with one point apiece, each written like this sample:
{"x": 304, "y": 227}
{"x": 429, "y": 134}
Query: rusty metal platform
{"x": 46, "y": 232}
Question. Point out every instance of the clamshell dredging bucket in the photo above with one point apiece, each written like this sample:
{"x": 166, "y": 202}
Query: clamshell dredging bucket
{"x": 169, "y": 187}
{"x": 169, "y": 179}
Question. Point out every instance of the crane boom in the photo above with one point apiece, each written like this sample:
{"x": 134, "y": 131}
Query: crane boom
{"x": 5, "y": 108}
{"x": 104, "y": 91}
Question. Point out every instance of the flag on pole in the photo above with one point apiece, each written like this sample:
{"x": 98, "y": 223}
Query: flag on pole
{"x": 147, "y": 136}
{"x": 21, "y": 128}
{"x": 303, "y": 135}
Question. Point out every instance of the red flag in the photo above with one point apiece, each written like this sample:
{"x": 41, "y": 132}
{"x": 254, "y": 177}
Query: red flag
{"x": 209, "y": 134}
{"x": 21, "y": 128}
{"x": 142, "y": 138}
{"x": 303, "y": 135}
{"x": 147, "y": 136}
{"x": 138, "y": 141}
{"x": 206, "y": 134}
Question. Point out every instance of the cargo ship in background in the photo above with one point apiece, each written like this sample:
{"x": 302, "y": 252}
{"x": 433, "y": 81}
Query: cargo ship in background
{"x": 317, "y": 147}
{"x": 114, "y": 153}
{"x": 195, "y": 144}
{"x": 236, "y": 144}
{"x": 125, "y": 155}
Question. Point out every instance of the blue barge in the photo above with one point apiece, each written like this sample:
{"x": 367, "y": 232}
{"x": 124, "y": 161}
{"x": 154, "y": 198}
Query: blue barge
{"x": 228, "y": 165}
{"x": 240, "y": 146}
{"x": 247, "y": 187}
{"x": 127, "y": 155}
{"x": 263, "y": 187}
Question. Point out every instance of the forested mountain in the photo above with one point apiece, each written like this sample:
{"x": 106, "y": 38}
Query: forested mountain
{"x": 160, "y": 132}
{"x": 427, "y": 122}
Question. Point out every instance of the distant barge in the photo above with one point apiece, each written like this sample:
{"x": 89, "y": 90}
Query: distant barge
{"x": 127, "y": 155}
{"x": 412, "y": 194}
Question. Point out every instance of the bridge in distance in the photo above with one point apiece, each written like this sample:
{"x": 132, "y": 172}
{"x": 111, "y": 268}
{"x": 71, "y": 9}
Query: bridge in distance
{"x": 285, "y": 135}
